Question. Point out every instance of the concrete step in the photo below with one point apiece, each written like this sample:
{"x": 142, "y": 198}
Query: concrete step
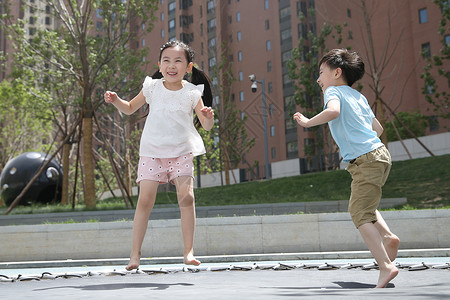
{"x": 163, "y": 213}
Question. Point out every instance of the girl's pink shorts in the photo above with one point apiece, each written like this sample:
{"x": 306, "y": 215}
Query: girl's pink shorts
{"x": 164, "y": 170}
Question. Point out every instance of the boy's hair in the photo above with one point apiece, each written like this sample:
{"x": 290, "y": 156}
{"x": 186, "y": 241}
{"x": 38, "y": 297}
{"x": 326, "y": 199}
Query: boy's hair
{"x": 350, "y": 63}
{"x": 197, "y": 77}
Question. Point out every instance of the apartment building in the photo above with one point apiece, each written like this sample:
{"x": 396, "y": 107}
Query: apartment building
{"x": 261, "y": 35}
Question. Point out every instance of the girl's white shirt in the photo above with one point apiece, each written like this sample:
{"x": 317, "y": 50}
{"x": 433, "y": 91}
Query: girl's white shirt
{"x": 169, "y": 129}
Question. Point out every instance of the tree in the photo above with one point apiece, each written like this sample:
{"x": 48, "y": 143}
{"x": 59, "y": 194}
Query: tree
{"x": 415, "y": 121}
{"x": 303, "y": 70}
{"x": 233, "y": 138}
{"x": 95, "y": 57}
{"x": 437, "y": 67}
{"x": 20, "y": 131}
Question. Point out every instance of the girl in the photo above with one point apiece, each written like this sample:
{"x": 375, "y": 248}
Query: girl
{"x": 356, "y": 131}
{"x": 169, "y": 140}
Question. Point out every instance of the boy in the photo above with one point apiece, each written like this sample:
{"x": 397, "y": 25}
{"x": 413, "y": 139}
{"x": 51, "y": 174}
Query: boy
{"x": 356, "y": 132}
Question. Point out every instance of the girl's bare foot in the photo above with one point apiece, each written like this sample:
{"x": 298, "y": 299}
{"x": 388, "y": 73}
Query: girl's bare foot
{"x": 391, "y": 244}
{"x": 191, "y": 260}
{"x": 386, "y": 276}
{"x": 133, "y": 263}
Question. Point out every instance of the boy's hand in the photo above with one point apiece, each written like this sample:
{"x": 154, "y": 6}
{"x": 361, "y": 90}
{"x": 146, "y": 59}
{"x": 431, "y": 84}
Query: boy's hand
{"x": 301, "y": 119}
{"x": 208, "y": 112}
{"x": 110, "y": 97}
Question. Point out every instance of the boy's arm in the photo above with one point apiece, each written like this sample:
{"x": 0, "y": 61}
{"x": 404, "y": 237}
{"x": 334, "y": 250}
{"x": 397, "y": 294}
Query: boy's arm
{"x": 376, "y": 126}
{"x": 330, "y": 113}
{"x": 205, "y": 114}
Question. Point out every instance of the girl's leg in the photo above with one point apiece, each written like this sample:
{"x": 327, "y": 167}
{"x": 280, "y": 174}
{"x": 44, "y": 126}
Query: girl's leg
{"x": 374, "y": 242}
{"x": 391, "y": 241}
{"x": 185, "y": 195}
{"x": 147, "y": 196}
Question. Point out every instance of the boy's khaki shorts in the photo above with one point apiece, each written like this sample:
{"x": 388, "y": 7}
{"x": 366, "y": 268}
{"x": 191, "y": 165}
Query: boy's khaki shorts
{"x": 369, "y": 173}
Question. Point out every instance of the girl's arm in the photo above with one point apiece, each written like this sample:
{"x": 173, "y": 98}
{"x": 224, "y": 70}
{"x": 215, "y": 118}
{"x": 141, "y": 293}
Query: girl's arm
{"x": 205, "y": 115}
{"x": 330, "y": 113}
{"x": 376, "y": 126}
{"x": 126, "y": 107}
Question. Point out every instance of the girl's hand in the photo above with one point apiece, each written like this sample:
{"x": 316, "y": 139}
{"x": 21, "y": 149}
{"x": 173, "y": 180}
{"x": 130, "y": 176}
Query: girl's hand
{"x": 301, "y": 119}
{"x": 208, "y": 112}
{"x": 110, "y": 97}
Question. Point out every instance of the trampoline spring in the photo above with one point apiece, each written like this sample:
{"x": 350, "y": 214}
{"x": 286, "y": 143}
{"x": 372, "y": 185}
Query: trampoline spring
{"x": 442, "y": 266}
{"x": 370, "y": 266}
{"x": 418, "y": 267}
{"x": 327, "y": 266}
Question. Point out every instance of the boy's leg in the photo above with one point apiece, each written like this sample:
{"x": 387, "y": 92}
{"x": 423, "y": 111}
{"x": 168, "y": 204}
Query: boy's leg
{"x": 374, "y": 242}
{"x": 391, "y": 242}
{"x": 147, "y": 197}
{"x": 185, "y": 195}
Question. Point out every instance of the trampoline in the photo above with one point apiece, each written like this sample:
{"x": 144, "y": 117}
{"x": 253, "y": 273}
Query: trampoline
{"x": 419, "y": 278}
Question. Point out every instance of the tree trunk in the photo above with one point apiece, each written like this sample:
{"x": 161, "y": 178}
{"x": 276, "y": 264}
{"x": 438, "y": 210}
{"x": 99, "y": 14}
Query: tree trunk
{"x": 88, "y": 162}
{"x": 382, "y": 120}
{"x": 65, "y": 185}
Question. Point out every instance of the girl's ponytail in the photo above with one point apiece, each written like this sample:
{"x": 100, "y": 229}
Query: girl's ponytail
{"x": 199, "y": 77}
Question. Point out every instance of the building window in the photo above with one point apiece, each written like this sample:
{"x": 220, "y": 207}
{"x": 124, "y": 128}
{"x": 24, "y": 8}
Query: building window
{"x": 171, "y": 25}
{"x": 423, "y": 16}
{"x": 274, "y": 152}
{"x": 269, "y": 66}
{"x": 286, "y": 34}
{"x": 212, "y": 62}
{"x": 211, "y": 25}
{"x": 241, "y": 76}
{"x": 162, "y": 16}
{"x": 285, "y": 13}
{"x": 267, "y": 24}
{"x": 268, "y": 45}
{"x": 99, "y": 25}
{"x": 238, "y": 17}
{"x": 350, "y": 35}
{"x": 143, "y": 42}
{"x": 32, "y": 21}
{"x": 285, "y": 58}
{"x": 212, "y": 43}
{"x": 292, "y": 149}
{"x": 242, "y": 115}
{"x": 301, "y": 9}
{"x": 162, "y": 32}
{"x": 434, "y": 123}
{"x": 270, "y": 88}
{"x": 271, "y": 108}
{"x": 210, "y": 5}
{"x": 426, "y": 50}
{"x": 302, "y": 31}
{"x": 239, "y": 55}
{"x": 47, "y": 9}
{"x": 241, "y": 96}
{"x": 239, "y": 36}
{"x": 447, "y": 39}
{"x": 349, "y": 13}
{"x": 266, "y": 4}
{"x": 172, "y": 6}
{"x": 272, "y": 130}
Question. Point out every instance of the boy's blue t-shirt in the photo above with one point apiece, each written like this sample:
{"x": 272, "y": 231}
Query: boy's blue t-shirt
{"x": 352, "y": 130}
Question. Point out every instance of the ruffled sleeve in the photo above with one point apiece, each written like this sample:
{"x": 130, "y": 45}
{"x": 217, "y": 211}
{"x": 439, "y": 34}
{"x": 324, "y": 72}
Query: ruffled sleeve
{"x": 147, "y": 88}
{"x": 198, "y": 94}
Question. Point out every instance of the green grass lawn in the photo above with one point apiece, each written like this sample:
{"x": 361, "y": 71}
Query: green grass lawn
{"x": 425, "y": 182}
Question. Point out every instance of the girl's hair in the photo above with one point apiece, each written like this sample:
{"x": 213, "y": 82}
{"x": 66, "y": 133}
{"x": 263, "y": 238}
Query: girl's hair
{"x": 350, "y": 63}
{"x": 197, "y": 77}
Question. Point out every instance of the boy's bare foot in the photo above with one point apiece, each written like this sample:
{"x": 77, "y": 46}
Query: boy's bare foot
{"x": 386, "y": 276}
{"x": 133, "y": 263}
{"x": 191, "y": 260}
{"x": 391, "y": 244}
